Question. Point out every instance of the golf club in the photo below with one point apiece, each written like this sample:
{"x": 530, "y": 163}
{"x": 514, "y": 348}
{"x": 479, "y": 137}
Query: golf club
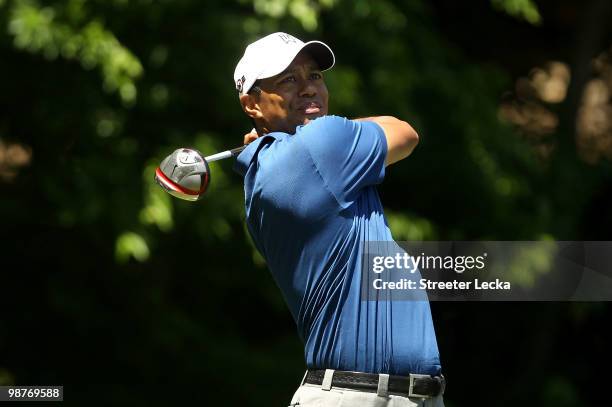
{"x": 185, "y": 173}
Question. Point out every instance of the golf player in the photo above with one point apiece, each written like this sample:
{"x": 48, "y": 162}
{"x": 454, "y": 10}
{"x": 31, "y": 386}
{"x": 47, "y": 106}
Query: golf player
{"x": 311, "y": 202}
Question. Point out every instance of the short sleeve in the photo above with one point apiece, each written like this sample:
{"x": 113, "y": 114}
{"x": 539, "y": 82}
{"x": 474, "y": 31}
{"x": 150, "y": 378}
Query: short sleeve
{"x": 349, "y": 155}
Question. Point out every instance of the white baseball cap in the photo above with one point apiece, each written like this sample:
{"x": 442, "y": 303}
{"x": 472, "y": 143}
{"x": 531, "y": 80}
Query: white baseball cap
{"x": 272, "y": 54}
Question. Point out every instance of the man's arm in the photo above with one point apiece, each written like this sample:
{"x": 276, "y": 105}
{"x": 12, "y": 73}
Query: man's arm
{"x": 401, "y": 137}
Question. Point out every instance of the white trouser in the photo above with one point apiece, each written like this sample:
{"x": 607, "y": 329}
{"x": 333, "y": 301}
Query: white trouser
{"x": 314, "y": 395}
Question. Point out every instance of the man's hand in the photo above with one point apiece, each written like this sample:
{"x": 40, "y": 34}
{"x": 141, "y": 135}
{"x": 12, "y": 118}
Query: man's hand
{"x": 401, "y": 137}
{"x": 250, "y": 137}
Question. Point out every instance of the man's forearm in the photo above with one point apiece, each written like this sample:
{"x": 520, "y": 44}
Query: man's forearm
{"x": 401, "y": 137}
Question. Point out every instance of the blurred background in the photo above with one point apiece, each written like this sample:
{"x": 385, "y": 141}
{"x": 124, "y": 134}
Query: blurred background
{"x": 128, "y": 297}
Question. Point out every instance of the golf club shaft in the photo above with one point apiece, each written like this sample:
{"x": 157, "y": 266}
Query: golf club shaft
{"x": 225, "y": 154}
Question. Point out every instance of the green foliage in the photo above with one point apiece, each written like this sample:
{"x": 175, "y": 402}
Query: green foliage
{"x": 560, "y": 392}
{"x": 523, "y": 9}
{"x": 6, "y": 378}
{"x": 158, "y": 206}
{"x": 305, "y": 11}
{"x": 530, "y": 262}
{"x": 39, "y": 30}
{"x": 100, "y": 92}
{"x": 405, "y": 227}
{"x": 131, "y": 245}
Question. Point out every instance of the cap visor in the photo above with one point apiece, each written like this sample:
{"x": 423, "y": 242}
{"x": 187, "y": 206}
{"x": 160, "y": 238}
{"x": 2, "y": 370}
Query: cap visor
{"x": 321, "y": 53}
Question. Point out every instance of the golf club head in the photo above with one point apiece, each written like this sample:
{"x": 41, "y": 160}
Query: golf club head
{"x": 184, "y": 174}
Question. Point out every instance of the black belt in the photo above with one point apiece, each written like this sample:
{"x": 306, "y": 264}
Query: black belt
{"x": 414, "y": 385}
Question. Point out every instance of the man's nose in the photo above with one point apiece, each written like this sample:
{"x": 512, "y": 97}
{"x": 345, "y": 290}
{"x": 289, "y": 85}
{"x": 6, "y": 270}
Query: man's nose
{"x": 307, "y": 88}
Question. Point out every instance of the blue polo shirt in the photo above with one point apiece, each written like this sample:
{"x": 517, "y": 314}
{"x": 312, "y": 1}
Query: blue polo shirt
{"x": 311, "y": 202}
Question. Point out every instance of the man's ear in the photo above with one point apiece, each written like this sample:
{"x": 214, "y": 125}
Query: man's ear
{"x": 250, "y": 106}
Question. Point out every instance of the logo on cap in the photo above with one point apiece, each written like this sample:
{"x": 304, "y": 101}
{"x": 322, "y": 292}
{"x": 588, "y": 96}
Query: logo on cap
{"x": 288, "y": 38}
{"x": 239, "y": 83}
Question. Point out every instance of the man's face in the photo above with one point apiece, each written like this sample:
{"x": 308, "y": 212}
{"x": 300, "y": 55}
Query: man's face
{"x": 292, "y": 98}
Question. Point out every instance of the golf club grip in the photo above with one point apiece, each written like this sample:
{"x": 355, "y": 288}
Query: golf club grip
{"x": 237, "y": 150}
{"x": 224, "y": 154}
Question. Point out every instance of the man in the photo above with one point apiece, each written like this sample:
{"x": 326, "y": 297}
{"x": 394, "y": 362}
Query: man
{"x": 311, "y": 204}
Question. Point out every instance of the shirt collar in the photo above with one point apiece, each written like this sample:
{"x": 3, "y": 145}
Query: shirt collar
{"x": 244, "y": 159}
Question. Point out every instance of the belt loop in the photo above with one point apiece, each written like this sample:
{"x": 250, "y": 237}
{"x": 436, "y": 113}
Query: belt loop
{"x": 327, "y": 379}
{"x": 383, "y": 385}
{"x": 304, "y": 378}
